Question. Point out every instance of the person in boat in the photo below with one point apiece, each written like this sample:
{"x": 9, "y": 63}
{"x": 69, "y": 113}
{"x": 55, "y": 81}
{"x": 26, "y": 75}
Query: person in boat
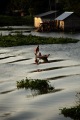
{"x": 36, "y": 61}
{"x": 36, "y": 53}
{"x": 43, "y": 57}
{"x": 39, "y": 56}
{"x": 37, "y": 50}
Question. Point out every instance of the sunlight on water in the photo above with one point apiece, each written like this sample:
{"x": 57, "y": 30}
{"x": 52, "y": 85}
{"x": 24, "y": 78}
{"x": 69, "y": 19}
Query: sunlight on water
{"x": 63, "y": 71}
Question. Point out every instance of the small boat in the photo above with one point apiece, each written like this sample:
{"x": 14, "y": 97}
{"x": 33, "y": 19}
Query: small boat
{"x": 44, "y": 57}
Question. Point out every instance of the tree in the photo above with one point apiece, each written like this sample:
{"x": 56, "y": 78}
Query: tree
{"x": 39, "y": 6}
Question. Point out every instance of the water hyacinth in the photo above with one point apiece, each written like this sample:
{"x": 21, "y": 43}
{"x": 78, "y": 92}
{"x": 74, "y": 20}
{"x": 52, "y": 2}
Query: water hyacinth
{"x": 19, "y": 40}
{"x": 42, "y": 86}
{"x": 73, "y": 112}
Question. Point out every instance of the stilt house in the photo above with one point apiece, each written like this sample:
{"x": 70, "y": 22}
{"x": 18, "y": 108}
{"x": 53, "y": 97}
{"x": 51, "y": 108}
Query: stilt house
{"x": 68, "y": 21}
{"x": 44, "y": 17}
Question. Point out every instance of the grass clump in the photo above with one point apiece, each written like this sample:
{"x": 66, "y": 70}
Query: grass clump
{"x": 42, "y": 86}
{"x": 73, "y": 112}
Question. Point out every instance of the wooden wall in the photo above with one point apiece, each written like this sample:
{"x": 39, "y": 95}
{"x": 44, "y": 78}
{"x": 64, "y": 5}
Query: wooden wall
{"x": 70, "y": 23}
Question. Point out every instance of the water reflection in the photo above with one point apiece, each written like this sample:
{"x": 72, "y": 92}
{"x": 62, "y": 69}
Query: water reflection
{"x": 26, "y": 30}
{"x": 58, "y": 34}
{"x": 17, "y": 63}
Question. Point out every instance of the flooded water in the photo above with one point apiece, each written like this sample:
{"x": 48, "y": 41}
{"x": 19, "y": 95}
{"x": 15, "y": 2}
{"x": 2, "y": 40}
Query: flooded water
{"x": 62, "y": 70}
{"x": 58, "y": 34}
{"x": 26, "y": 30}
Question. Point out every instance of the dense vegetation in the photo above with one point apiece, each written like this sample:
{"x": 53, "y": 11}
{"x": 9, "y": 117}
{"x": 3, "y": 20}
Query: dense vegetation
{"x": 42, "y": 86}
{"x": 29, "y": 8}
{"x": 37, "y": 6}
{"x": 73, "y": 112}
{"x": 16, "y": 20}
{"x": 19, "y": 39}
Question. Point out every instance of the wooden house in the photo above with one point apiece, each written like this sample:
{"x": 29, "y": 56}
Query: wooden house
{"x": 44, "y": 17}
{"x": 68, "y": 21}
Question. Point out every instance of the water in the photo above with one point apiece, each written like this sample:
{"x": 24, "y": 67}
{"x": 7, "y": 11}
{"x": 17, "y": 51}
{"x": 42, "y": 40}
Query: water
{"x": 63, "y": 72}
{"x": 16, "y": 63}
{"x": 25, "y": 31}
{"x": 58, "y": 34}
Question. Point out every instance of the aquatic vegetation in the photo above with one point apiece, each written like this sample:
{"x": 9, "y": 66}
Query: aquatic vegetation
{"x": 73, "y": 112}
{"x": 19, "y": 39}
{"x": 42, "y": 86}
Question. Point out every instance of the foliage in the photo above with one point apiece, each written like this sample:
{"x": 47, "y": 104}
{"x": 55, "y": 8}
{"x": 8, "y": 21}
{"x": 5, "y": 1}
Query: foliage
{"x": 38, "y": 5}
{"x": 70, "y": 5}
{"x": 32, "y": 7}
{"x": 73, "y": 112}
{"x": 42, "y": 86}
{"x": 19, "y": 39}
{"x": 15, "y": 20}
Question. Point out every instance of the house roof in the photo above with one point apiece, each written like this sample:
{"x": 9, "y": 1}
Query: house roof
{"x": 45, "y": 14}
{"x": 64, "y": 15}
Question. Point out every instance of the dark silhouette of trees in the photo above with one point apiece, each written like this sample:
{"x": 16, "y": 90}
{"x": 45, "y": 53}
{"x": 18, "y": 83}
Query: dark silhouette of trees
{"x": 39, "y": 6}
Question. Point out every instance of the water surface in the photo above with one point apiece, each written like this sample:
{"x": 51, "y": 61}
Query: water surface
{"x": 26, "y": 30}
{"x": 62, "y": 70}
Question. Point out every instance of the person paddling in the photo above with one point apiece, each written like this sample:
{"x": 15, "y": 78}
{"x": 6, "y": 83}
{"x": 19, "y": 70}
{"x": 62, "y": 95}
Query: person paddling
{"x": 37, "y": 50}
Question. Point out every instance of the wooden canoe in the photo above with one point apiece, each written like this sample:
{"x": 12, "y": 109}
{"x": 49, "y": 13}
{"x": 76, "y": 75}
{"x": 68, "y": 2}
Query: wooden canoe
{"x": 44, "y": 57}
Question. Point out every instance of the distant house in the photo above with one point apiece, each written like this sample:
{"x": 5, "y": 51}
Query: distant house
{"x": 68, "y": 21}
{"x": 44, "y": 17}
{"x": 18, "y": 12}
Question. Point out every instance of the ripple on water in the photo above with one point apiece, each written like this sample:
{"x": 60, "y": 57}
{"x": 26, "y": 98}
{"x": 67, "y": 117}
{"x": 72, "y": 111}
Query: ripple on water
{"x": 62, "y": 70}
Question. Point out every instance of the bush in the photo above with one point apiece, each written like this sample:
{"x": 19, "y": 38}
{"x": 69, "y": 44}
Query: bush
{"x": 73, "y": 112}
{"x": 42, "y": 86}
